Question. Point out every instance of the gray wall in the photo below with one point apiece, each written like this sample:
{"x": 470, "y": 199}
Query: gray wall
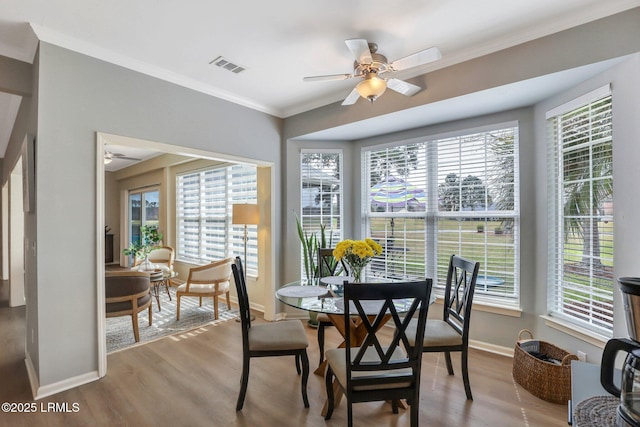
{"x": 79, "y": 96}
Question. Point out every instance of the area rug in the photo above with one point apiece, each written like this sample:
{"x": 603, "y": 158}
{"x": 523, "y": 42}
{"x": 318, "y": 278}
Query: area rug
{"x": 193, "y": 319}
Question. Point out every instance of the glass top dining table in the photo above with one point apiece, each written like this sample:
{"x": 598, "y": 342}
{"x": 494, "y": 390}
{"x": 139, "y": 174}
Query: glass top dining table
{"x": 326, "y": 296}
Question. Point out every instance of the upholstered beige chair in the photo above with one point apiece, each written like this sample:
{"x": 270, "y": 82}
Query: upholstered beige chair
{"x": 127, "y": 294}
{"x": 211, "y": 280}
{"x": 286, "y": 338}
{"x": 163, "y": 257}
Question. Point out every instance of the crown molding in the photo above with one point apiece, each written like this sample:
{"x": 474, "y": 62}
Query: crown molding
{"x": 62, "y": 40}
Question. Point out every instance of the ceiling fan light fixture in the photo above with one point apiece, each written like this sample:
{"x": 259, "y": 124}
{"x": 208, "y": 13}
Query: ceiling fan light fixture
{"x": 371, "y": 87}
{"x": 108, "y": 158}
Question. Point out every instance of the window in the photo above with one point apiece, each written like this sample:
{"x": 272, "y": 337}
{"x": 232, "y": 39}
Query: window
{"x": 321, "y": 196}
{"x": 477, "y": 213}
{"x": 144, "y": 207}
{"x": 581, "y": 212}
{"x": 457, "y": 195}
{"x": 204, "y": 205}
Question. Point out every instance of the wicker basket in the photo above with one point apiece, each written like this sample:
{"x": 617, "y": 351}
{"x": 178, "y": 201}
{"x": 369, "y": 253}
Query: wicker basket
{"x": 545, "y": 380}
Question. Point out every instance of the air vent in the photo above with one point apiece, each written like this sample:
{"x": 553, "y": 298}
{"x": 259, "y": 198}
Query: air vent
{"x": 227, "y": 65}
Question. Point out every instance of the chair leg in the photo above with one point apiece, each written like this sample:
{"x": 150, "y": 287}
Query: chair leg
{"x": 166, "y": 286}
{"x": 134, "y": 319}
{"x": 298, "y": 364}
{"x": 305, "y": 377}
{"x": 244, "y": 380}
{"x": 465, "y": 374}
{"x": 394, "y": 406}
{"x": 329, "y": 386}
{"x": 321, "y": 326}
{"x": 349, "y": 413}
{"x": 177, "y": 306}
{"x": 228, "y": 301}
{"x": 150, "y": 315}
{"x": 215, "y": 307}
{"x": 200, "y": 301}
{"x": 447, "y": 357}
{"x": 415, "y": 412}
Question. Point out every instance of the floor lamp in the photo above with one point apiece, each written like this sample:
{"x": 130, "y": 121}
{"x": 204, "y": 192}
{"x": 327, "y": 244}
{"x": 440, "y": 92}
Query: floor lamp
{"x": 245, "y": 214}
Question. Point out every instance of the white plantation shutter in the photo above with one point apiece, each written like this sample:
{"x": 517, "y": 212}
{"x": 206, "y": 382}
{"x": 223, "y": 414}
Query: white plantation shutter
{"x": 580, "y": 212}
{"x": 460, "y": 197}
{"x": 205, "y": 200}
{"x": 242, "y": 188}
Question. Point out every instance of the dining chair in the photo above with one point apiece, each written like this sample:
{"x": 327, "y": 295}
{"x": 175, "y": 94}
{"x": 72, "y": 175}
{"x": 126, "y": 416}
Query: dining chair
{"x": 210, "y": 280}
{"x": 327, "y": 266}
{"x": 379, "y": 370}
{"x": 283, "y": 338}
{"x": 452, "y": 332}
{"x": 126, "y": 294}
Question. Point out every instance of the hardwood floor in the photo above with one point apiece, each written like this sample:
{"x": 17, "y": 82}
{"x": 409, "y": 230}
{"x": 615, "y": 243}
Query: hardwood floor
{"x": 193, "y": 380}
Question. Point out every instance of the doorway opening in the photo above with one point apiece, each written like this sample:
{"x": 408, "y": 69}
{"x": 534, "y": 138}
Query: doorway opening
{"x": 113, "y": 206}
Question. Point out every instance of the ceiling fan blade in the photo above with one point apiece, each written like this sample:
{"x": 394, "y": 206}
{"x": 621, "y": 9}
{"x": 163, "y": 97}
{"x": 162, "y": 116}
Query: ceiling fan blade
{"x": 327, "y": 77}
{"x": 351, "y": 98}
{"x": 418, "y": 58}
{"x": 360, "y": 50}
{"x": 403, "y": 87}
{"x": 123, "y": 157}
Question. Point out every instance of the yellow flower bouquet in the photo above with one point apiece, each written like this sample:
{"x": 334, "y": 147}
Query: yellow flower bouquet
{"x": 357, "y": 254}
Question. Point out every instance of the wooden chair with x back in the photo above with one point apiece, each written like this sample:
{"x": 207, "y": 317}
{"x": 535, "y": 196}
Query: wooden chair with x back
{"x": 452, "y": 332}
{"x": 284, "y": 338}
{"x": 379, "y": 370}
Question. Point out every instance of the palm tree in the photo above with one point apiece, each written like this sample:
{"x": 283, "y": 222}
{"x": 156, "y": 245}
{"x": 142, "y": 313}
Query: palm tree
{"x": 587, "y": 178}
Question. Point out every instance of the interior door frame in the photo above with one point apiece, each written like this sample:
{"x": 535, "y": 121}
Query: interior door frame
{"x": 269, "y": 259}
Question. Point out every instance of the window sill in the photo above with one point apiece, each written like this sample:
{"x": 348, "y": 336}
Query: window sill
{"x": 491, "y": 308}
{"x": 576, "y": 331}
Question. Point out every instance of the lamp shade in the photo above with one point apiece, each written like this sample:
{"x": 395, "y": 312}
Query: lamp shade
{"x": 371, "y": 87}
{"x": 245, "y": 214}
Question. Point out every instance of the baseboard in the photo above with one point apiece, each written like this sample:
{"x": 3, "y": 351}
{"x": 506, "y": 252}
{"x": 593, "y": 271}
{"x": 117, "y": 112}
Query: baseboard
{"x": 40, "y": 392}
{"x": 491, "y": 348}
{"x": 253, "y": 306}
{"x": 32, "y": 374}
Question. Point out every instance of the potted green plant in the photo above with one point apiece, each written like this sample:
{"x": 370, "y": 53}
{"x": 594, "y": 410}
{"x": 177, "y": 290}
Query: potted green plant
{"x": 150, "y": 236}
{"x": 310, "y": 245}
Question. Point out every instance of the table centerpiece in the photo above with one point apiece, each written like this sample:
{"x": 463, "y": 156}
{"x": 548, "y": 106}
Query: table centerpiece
{"x": 357, "y": 254}
{"x": 149, "y": 238}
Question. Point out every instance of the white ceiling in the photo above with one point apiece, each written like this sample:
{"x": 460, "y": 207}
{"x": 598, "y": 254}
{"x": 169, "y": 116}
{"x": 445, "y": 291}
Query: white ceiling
{"x": 279, "y": 41}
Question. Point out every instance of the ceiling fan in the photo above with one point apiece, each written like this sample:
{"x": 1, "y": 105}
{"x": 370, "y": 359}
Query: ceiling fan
{"x": 375, "y": 70}
{"x": 109, "y": 156}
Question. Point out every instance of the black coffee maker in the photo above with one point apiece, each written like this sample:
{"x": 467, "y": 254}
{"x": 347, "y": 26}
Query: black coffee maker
{"x": 628, "y": 413}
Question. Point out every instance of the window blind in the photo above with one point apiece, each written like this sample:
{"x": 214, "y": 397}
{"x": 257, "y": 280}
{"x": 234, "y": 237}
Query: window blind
{"x": 204, "y": 208}
{"x": 478, "y": 208}
{"x": 395, "y": 197}
{"x": 321, "y": 198}
{"x": 457, "y": 195}
{"x": 580, "y": 213}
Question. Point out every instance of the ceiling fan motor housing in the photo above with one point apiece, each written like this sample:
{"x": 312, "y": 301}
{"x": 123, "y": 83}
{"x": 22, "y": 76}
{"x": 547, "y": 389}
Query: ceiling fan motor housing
{"x": 379, "y": 64}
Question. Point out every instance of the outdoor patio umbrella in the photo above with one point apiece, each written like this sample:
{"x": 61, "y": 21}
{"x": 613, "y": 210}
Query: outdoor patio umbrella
{"x": 393, "y": 194}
